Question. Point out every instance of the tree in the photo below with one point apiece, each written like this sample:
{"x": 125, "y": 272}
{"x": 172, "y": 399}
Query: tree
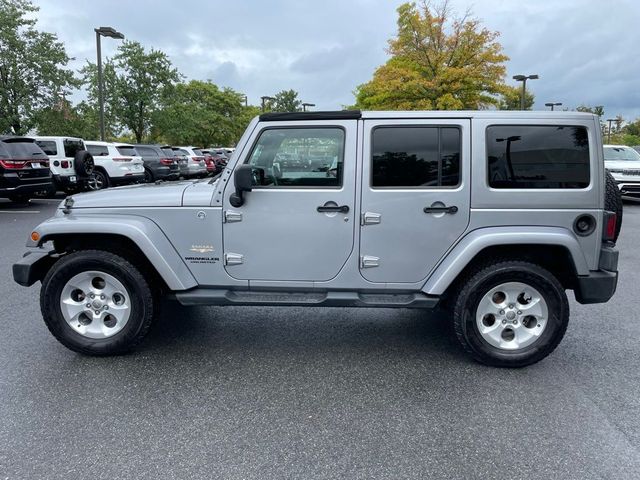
{"x": 64, "y": 119}
{"x": 510, "y": 99}
{"x": 287, "y": 101}
{"x": 437, "y": 62}
{"x": 598, "y": 109}
{"x": 134, "y": 83}
{"x": 199, "y": 113}
{"x": 31, "y": 67}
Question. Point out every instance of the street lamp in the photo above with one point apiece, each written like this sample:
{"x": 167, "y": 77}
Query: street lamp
{"x": 553, "y": 104}
{"x": 104, "y": 32}
{"x": 523, "y": 79}
{"x": 610, "y": 120}
{"x": 266, "y": 99}
{"x": 305, "y": 105}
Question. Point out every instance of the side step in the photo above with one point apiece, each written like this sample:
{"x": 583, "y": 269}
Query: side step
{"x": 209, "y": 296}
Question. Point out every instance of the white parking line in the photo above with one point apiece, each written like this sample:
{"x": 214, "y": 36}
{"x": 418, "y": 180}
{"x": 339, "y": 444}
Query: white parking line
{"x": 19, "y": 211}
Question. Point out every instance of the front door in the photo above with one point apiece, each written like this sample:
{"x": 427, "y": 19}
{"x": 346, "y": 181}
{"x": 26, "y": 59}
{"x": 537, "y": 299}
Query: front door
{"x": 297, "y": 224}
{"x": 415, "y": 196}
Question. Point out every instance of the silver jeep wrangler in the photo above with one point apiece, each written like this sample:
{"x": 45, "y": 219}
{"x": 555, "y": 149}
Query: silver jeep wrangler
{"x": 490, "y": 215}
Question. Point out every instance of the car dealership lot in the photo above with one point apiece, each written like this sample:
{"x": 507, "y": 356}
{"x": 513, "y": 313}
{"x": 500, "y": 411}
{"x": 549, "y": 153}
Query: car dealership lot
{"x": 239, "y": 392}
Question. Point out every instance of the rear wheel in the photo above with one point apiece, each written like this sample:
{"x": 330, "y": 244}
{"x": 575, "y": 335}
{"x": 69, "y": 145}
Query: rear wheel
{"x": 148, "y": 176}
{"x": 510, "y": 313}
{"x": 97, "y": 303}
{"x": 100, "y": 180}
{"x": 613, "y": 201}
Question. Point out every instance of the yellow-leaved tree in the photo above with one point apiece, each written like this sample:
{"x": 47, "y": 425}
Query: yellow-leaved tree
{"x": 438, "y": 62}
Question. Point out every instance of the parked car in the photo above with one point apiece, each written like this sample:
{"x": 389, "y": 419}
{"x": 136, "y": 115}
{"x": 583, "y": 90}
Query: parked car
{"x": 624, "y": 164}
{"x": 157, "y": 164}
{"x": 220, "y": 158}
{"x": 115, "y": 164}
{"x": 70, "y": 163}
{"x": 196, "y": 164}
{"x": 24, "y": 169}
{"x": 183, "y": 161}
{"x": 402, "y": 222}
{"x": 212, "y": 168}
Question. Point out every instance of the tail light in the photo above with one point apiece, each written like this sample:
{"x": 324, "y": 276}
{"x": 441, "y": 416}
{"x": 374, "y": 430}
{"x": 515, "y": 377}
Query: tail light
{"x": 610, "y": 222}
{"x": 166, "y": 161}
{"x": 122, "y": 159}
{"x": 64, "y": 164}
{"x": 13, "y": 164}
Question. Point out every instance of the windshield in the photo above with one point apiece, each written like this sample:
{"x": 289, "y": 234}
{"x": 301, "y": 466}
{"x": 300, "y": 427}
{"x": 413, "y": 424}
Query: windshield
{"x": 621, "y": 154}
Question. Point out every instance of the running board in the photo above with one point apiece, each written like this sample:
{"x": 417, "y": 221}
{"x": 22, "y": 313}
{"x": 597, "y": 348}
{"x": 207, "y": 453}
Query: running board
{"x": 207, "y": 296}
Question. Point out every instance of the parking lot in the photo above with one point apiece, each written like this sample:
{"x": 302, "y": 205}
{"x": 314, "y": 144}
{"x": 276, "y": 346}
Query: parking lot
{"x": 241, "y": 392}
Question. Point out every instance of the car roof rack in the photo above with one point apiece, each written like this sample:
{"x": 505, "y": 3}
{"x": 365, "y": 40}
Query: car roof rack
{"x": 336, "y": 115}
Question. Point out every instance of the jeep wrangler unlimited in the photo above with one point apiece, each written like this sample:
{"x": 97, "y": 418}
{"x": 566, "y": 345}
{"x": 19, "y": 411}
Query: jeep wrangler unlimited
{"x": 492, "y": 215}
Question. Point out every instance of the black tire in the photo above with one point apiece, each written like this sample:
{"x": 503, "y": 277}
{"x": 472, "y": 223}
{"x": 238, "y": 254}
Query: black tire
{"x": 143, "y": 302}
{"x": 100, "y": 180}
{"x": 613, "y": 201}
{"x": 83, "y": 163}
{"x": 148, "y": 176}
{"x": 485, "y": 277}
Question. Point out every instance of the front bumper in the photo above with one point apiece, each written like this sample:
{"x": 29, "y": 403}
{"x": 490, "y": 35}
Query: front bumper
{"x": 600, "y": 285}
{"x": 33, "y": 266}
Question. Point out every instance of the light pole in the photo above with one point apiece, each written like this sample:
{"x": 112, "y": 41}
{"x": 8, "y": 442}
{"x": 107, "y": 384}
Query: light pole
{"x": 266, "y": 99}
{"x": 104, "y": 32}
{"x": 610, "y": 120}
{"x": 245, "y": 99}
{"x": 553, "y": 104}
{"x": 523, "y": 79}
{"x": 305, "y": 105}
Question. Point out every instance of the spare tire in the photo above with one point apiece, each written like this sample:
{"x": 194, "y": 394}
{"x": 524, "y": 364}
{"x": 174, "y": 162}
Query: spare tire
{"x": 613, "y": 201}
{"x": 84, "y": 163}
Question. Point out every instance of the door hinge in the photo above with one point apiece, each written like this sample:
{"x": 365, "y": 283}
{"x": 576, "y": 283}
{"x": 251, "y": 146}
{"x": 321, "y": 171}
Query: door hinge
{"x": 230, "y": 216}
{"x": 370, "y": 218}
{"x": 233, "y": 259}
{"x": 367, "y": 261}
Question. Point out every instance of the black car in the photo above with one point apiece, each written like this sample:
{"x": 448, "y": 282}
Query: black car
{"x": 158, "y": 165}
{"x": 24, "y": 169}
{"x": 183, "y": 162}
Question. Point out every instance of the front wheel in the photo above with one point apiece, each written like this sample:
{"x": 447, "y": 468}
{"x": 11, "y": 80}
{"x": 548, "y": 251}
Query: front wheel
{"x": 510, "y": 313}
{"x": 97, "y": 303}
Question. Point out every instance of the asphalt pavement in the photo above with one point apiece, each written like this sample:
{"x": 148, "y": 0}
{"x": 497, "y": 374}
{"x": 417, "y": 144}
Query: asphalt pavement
{"x": 306, "y": 393}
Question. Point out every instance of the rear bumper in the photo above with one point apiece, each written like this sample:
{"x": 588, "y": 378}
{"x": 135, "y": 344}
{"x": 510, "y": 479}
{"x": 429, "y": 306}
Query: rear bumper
{"x": 128, "y": 179}
{"x": 600, "y": 285}
{"x": 33, "y": 266}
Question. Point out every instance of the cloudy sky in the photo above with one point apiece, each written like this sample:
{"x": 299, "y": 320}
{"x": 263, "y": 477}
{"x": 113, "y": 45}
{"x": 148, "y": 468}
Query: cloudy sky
{"x": 585, "y": 51}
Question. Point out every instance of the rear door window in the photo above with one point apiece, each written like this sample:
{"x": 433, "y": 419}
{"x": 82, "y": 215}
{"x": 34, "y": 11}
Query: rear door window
{"x": 98, "y": 150}
{"x": 538, "y": 156}
{"x": 48, "y": 146}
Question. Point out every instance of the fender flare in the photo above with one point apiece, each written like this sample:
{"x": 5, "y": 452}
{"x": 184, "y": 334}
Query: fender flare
{"x": 474, "y": 242}
{"x": 146, "y": 234}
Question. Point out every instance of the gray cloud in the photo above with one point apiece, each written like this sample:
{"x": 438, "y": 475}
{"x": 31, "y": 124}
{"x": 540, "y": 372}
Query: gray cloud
{"x": 582, "y": 49}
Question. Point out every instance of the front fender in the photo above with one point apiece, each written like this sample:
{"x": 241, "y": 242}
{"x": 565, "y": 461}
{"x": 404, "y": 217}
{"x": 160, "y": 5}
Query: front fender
{"x": 476, "y": 241}
{"x": 143, "y": 232}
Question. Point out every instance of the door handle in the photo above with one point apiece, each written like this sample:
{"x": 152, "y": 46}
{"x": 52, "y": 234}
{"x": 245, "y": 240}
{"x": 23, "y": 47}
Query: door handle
{"x": 452, "y": 209}
{"x": 333, "y": 208}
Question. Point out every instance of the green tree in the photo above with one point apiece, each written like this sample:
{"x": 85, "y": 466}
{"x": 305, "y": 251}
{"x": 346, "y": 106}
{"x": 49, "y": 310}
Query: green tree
{"x": 598, "y": 109}
{"x": 632, "y": 128}
{"x": 199, "y": 113}
{"x": 510, "y": 99}
{"x": 286, "y": 101}
{"x": 134, "y": 82}
{"x": 31, "y": 67}
{"x": 437, "y": 62}
{"x": 65, "y": 119}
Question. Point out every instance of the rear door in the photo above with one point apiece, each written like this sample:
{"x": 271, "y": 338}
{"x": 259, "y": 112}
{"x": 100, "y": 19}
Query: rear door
{"x": 415, "y": 195}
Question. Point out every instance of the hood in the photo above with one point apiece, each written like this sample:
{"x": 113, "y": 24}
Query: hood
{"x": 167, "y": 194}
{"x": 622, "y": 164}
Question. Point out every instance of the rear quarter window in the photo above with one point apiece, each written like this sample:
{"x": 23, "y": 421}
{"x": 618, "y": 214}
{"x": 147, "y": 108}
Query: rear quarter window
{"x": 127, "y": 151}
{"x": 538, "y": 156}
{"x": 98, "y": 150}
{"x": 147, "y": 151}
{"x": 48, "y": 146}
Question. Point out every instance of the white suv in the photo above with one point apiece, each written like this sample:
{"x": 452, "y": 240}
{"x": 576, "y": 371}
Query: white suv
{"x": 624, "y": 164}
{"x": 71, "y": 166}
{"x": 115, "y": 164}
{"x": 197, "y": 167}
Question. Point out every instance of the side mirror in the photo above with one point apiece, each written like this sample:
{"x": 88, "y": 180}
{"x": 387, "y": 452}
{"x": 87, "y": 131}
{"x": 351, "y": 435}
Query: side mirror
{"x": 243, "y": 181}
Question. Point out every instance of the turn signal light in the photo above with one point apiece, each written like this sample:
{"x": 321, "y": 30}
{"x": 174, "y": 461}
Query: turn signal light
{"x": 35, "y": 236}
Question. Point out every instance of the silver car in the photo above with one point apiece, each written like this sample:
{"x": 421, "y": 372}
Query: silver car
{"x": 196, "y": 165}
{"x": 624, "y": 164}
